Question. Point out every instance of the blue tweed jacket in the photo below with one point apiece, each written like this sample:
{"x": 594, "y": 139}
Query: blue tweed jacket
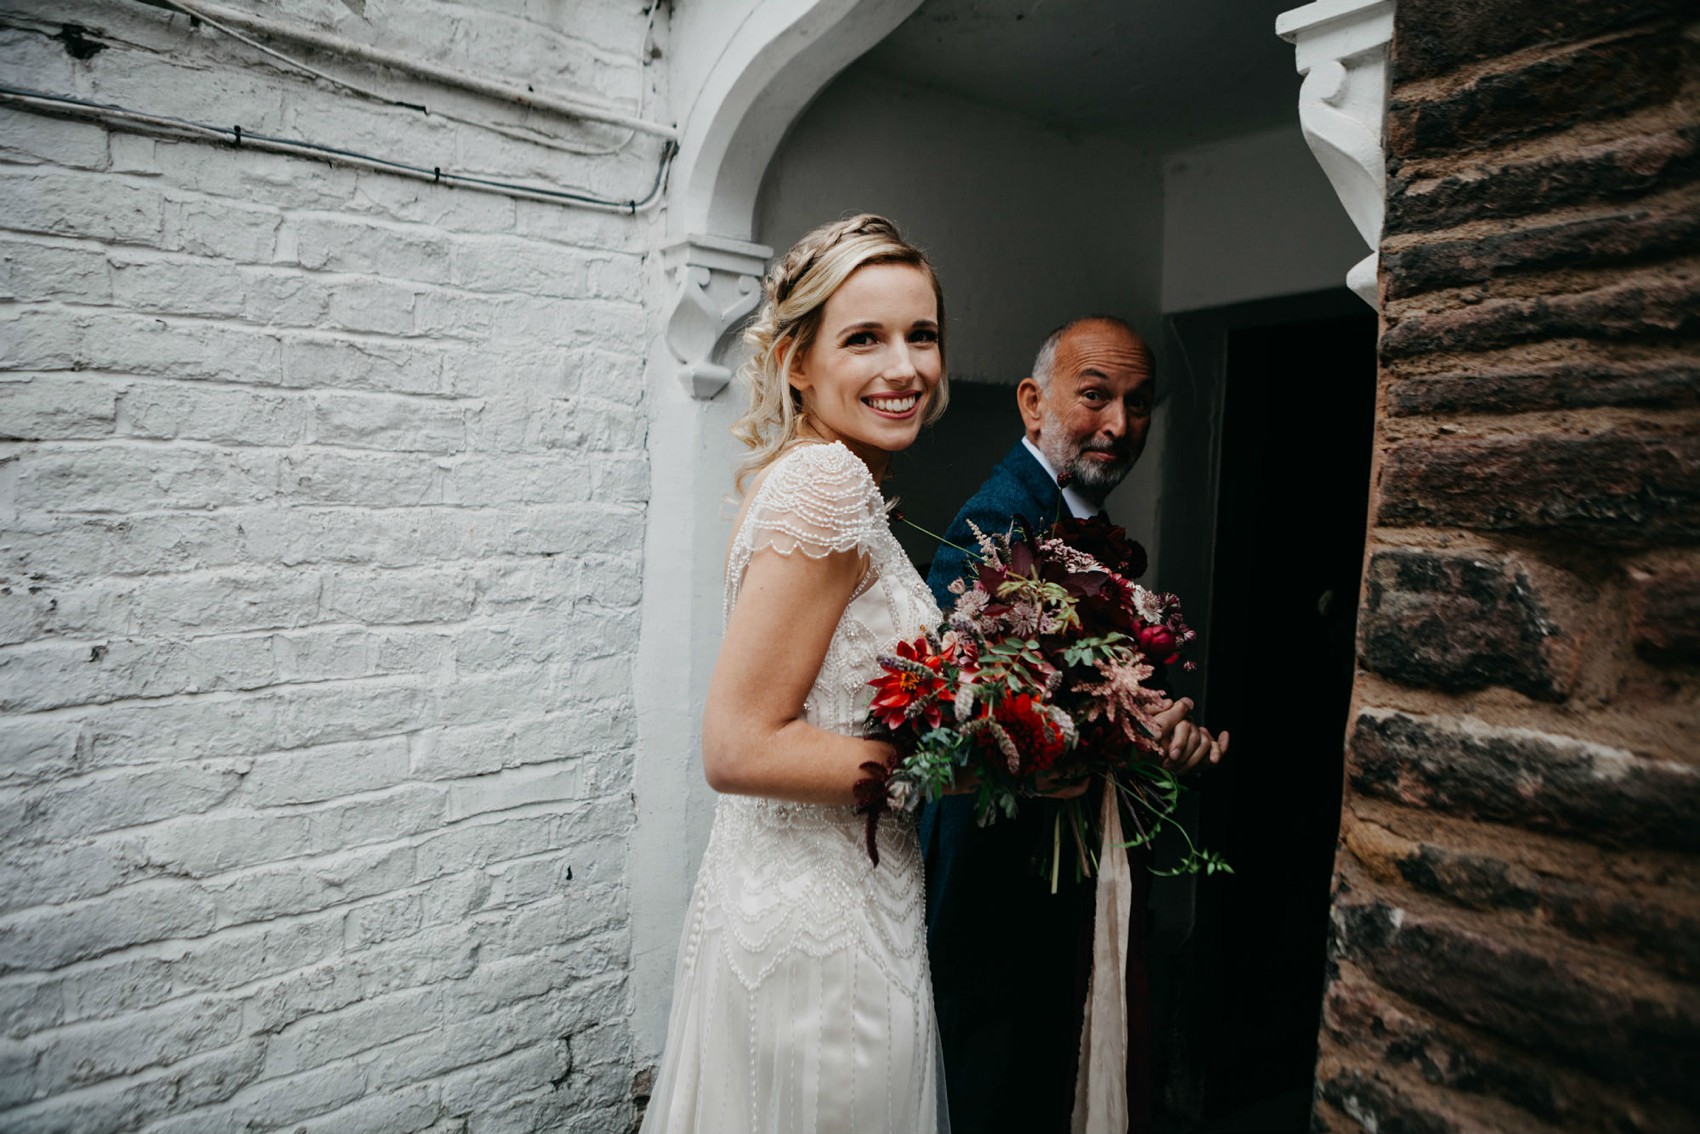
{"x": 1019, "y": 488}
{"x": 1004, "y": 949}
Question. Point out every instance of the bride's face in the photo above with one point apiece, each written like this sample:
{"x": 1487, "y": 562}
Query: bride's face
{"x": 874, "y": 365}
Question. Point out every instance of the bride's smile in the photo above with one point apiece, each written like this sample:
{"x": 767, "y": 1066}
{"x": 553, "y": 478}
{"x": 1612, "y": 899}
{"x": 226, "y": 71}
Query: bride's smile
{"x": 896, "y": 406}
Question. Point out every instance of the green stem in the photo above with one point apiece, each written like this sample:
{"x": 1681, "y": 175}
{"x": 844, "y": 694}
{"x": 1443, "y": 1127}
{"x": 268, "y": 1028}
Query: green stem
{"x": 934, "y": 535}
{"x": 1086, "y": 866}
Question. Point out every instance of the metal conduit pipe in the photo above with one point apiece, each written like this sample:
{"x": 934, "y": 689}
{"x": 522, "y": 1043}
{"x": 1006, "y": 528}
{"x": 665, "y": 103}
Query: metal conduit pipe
{"x": 237, "y": 137}
{"x": 583, "y": 109}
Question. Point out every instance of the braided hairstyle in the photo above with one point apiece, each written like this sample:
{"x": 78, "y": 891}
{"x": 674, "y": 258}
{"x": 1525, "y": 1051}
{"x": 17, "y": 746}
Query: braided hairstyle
{"x": 794, "y": 298}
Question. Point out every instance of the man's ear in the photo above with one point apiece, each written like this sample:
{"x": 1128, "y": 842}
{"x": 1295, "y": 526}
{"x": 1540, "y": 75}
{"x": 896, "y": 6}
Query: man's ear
{"x": 1028, "y": 398}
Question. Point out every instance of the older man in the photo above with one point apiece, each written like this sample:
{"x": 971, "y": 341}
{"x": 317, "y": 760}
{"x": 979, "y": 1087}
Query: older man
{"x": 1009, "y": 957}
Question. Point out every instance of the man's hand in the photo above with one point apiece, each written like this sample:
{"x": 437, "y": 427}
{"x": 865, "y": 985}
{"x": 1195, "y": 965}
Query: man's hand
{"x": 1185, "y": 744}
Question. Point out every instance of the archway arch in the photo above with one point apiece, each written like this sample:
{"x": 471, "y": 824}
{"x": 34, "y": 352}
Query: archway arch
{"x": 740, "y": 73}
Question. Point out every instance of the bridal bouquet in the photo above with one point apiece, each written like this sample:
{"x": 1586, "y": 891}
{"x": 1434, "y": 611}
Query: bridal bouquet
{"x": 1040, "y": 677}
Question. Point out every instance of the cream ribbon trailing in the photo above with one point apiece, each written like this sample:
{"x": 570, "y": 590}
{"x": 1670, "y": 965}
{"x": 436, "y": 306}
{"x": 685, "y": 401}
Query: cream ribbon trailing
{"x": 1100, "y": 1088}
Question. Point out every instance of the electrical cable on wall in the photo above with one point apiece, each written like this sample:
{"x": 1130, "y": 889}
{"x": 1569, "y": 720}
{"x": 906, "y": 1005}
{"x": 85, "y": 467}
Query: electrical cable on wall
{"x": 220, "y": 20}
{"x": 571, "y": 107}
{"x": 111, "y": 114}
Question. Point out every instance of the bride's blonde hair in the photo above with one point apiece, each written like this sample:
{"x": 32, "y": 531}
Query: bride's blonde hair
{"x": 794, "y": 297}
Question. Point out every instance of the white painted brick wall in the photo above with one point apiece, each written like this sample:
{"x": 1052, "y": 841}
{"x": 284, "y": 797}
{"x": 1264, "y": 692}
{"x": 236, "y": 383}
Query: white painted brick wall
{"x": 322, "y": 496}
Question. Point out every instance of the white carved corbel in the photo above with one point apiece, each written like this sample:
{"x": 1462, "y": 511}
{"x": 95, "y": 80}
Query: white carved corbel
{"x": 716, "y": 283}
{"x": 1341, "y": 48}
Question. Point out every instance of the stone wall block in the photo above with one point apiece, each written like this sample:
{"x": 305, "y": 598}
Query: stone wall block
{"x": 30, "y": 139}
{"x": 1460, "y": 622}
{"x": 1523, "y": 778}
{"x": 1432, "y": 39}
{"x": 221, "y": 415}
{"x": 1641, "y": 918}
{"x": 1509, "y": 383}
{"x": 1353, "y": 1097}
{"x": 1380, "y": 1029}
{"x": 1608, "y": 489}
{"x": 1648, "y": 231}
{"x": 319, "y": 360}
{"x": 1665, "y": 614}
{"x": 1658, "y": 307}
{"x": 1572, "y": 85}
{"x": 1613, "y": 171}
{"x": 1628, "y": 1029}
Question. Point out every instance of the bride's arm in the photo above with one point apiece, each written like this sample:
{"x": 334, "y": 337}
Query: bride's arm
{"x": 754, "y": 738}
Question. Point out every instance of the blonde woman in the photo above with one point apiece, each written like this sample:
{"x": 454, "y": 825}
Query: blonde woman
{"x": 802, "y": 1000}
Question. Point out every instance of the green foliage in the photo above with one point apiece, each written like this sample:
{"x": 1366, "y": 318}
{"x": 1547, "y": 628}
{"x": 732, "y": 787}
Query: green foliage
{"x": 935, "y": 760}
{"x": 1089, "y": 651}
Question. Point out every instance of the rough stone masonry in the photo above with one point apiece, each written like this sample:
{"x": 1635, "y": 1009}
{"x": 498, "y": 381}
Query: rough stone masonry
{"x": 1516, "y": 940}
{"x": 322, "y": 495}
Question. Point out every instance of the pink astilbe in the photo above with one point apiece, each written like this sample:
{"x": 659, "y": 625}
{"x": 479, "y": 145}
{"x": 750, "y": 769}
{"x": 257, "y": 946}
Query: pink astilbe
{"x": 1123, "y": 699}
{"x": 1072, "y": 559}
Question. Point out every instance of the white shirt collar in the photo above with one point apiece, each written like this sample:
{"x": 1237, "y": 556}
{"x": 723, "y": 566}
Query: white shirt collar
{"x": 1078, "y": 506}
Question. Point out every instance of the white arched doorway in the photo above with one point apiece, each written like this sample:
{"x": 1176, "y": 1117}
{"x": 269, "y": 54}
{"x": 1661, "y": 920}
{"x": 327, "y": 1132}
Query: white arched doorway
{"x": 741, "y": 74}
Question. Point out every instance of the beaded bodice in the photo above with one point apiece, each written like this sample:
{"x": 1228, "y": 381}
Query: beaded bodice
{"x": 816, "y": 500}
{"x": 782, "y": 876}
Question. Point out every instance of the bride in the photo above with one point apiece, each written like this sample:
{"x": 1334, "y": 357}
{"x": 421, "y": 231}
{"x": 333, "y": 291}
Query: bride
{"x": 802, "y": 999}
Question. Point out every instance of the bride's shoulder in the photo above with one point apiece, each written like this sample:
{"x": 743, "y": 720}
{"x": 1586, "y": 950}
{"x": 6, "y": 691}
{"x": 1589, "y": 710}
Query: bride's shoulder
{"x": 819, "y": 469}
{"x": 816, "y": 495}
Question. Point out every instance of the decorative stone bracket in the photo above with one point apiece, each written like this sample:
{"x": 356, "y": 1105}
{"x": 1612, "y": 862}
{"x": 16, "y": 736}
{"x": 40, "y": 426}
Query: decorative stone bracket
{"x": 716, "y": 282}
{"x": 1341, "y": 47}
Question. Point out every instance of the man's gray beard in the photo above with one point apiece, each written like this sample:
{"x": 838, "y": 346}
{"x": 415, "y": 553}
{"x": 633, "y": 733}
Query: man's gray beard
{"x": 1092, "y": 479}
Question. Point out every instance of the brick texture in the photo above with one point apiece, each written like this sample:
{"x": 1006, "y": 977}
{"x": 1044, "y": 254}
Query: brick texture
{"x": 1517, "y": 892}
{"x": 323, "y": 499}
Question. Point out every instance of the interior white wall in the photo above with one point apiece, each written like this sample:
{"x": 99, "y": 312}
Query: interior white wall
{"x": 1026, "y": 226}
{"x": 1253, "y": 217}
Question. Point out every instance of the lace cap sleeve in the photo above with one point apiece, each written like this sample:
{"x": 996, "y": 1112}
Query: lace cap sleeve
{"x": 817, "y": 499}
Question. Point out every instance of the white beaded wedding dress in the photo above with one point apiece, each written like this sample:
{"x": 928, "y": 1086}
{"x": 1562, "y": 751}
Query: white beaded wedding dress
{"x": 802, "y": 1002}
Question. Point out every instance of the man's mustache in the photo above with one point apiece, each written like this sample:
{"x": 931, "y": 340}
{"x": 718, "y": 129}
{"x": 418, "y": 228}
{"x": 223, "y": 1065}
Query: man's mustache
{"x": 1113, "y": 450}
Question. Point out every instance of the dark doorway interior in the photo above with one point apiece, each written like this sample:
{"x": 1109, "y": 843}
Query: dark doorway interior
{"x": 1297, "y": 400}
{"x": 949, "y": 461}
{"x": 1267, "y": 467}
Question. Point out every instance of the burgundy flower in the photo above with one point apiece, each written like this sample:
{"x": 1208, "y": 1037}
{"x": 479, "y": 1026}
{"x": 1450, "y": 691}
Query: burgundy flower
{"x": 1157, "y": 642}
{"x": 1105, "y": 542}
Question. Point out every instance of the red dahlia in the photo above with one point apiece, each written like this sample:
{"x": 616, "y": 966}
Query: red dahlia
{"x": 911, "y": 686}
{"x": 1036, "y": 736}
